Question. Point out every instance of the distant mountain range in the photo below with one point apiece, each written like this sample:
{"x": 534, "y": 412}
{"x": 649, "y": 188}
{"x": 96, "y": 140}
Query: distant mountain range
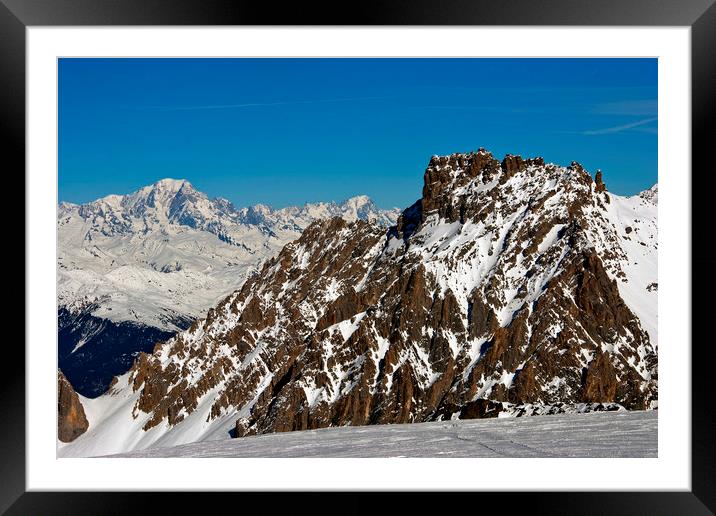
{"x": 511, "y": 285}
{"x": 133, "y": 269}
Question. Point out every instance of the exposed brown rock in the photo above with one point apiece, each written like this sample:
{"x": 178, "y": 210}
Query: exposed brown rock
{"x": 512, "y": 164}
{"x": 600, "y": 384}
{"x": 599, "y": 185}
{"x": 480, "y": 409}
{"x": 439, "y": 180}
{"x": 71, "y": 419}
{"x": 349, "y": 326}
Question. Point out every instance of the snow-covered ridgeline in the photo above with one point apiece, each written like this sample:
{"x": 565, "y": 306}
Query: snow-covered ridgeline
{"x": 168, "y": 251}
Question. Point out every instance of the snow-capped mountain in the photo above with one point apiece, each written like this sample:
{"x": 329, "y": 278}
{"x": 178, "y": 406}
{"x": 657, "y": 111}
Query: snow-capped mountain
{"x": 508, "y": 283}
{"x": 298, "y": 218}
{"x": 133, "y": 269}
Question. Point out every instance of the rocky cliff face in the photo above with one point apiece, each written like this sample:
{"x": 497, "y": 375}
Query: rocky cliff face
{"x": 71, "y": 419}
{"x": 495, "y": 291}
{"x": 501, "y": 285}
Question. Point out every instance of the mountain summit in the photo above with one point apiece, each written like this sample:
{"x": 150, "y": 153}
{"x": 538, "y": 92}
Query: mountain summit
{"x": 168, "y": 227}
{"x": 510, "y": 283}
{"x": 133, "y": 269}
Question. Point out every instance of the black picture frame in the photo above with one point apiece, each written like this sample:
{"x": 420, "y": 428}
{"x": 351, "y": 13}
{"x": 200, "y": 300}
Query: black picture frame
{"x": 700, "y": 15}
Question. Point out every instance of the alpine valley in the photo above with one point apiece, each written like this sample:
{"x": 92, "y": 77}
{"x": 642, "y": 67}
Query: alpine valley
{"x": 511, "y": 287}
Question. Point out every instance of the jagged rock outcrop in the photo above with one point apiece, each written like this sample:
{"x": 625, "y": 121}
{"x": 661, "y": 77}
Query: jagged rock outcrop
{"x": 504, "y": 284}
{"x": 348, "y": 326}
{"x": 599, "y": 185}
{"x": 71, "y": 419}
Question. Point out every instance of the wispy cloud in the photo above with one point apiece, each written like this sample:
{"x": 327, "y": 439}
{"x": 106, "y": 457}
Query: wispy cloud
{"x": 259, "y": 104}
{"x": 644, "y": 107}
{"x": 495, "y": 109}
{"x": 619, "y": 128}
{"x": 532, "y": 88}
{"x": 649, "y": 130}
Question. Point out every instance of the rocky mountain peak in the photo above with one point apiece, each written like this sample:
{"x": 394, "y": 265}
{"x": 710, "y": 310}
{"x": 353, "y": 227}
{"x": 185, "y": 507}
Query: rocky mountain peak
{"x": 256, "y": 214}
{"x": 361, "y": 207}
{"x": 508, "y": 282}
{"x": 506, "y": 290}
{"x": 359, "y": 204}
{"x": 171, "y": 185}
{"x": 225, "y": 205}
{"x": 160, "y": 196}
{"x": 452, "y": 183}
{"x": 358, "y": 200}
{"x": 445, "y": 174}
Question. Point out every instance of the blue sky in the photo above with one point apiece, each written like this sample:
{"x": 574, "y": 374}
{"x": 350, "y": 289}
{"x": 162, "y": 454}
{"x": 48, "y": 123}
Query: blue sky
{"x": 289, "y": 131}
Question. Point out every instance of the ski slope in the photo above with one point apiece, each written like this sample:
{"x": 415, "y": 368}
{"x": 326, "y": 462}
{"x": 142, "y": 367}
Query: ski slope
{"x": 596, "y": 434}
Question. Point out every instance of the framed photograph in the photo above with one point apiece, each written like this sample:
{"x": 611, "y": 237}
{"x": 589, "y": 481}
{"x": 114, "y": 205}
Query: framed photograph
{"x": 426, "y": 248}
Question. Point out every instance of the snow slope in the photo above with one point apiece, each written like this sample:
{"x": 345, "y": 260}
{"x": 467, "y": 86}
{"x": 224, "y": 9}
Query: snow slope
{"x": 641, "y": 246}
{"x": 602, "y": 434}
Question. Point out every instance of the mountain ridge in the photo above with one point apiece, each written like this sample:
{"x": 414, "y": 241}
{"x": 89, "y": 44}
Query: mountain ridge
{"x": 510, "y": 281}
{"x": 135, "y": 268}
{"x": 172, "y": 208}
